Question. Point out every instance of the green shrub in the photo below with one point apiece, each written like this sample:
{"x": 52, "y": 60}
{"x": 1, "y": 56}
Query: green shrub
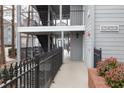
{"x": 10, "y": 52}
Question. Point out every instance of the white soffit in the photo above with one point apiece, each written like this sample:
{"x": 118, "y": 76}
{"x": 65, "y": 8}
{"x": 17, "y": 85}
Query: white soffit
{"x": 51, "y": 28}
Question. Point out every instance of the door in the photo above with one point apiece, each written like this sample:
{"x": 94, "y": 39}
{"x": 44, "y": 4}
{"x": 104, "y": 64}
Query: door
{"x": 76, "y": 46}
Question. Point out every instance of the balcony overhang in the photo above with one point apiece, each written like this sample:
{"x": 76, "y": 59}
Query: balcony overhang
{"x": 38, "y": 29}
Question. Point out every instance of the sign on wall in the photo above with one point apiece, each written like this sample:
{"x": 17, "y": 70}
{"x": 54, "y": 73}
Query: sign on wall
{"x": 110, "y": 28}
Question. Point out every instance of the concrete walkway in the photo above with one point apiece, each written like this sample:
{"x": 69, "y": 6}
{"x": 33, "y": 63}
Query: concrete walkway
{"x": 72, "y": 74}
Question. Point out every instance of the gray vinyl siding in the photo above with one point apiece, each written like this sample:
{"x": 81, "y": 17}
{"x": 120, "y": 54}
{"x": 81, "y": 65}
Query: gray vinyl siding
{"x": 76, "y": 13}
{"x": 112, "y": 43}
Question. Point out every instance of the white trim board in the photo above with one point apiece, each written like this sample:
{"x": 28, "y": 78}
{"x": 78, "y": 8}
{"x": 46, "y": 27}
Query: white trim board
{"x": 51, "y": 28}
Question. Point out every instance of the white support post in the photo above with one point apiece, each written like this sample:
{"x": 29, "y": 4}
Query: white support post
{"x": 48, "y": 15}
{"x": 18, "y": 37}
{"x": 49, "y": 25}
{"x": 62, "y": 32}
{"x": 49, "y": 42}
{"x": 18, "y": 33}
{"x": 32, "y": 46}
{"x": 60, "y": 16}
{"x": 67, "y": 21}
{"x": 83, "y": 16}
{"x": 62, "y": 37}
{"x": 55, "y": 21}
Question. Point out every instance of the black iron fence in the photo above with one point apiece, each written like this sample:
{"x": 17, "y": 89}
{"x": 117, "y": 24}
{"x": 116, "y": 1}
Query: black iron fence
{"x": 27, "y": 51}
{"x": 97, "y": 56}
{"x": 38, "y": 72}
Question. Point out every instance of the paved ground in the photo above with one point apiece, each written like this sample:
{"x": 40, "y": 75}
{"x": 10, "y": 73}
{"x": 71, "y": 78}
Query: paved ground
{"x": 72, "y": 74}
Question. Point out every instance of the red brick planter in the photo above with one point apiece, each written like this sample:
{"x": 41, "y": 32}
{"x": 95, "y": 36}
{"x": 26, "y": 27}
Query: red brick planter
{"x": 95, "y": 81}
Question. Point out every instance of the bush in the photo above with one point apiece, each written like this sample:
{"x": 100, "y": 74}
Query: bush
{"x": 10, "y": 52}
{"x": 106, "y": 65}
{"x": 115, "y": 77}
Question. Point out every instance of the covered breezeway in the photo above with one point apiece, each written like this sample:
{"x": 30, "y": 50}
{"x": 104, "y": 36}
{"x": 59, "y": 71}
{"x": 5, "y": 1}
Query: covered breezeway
{"x": 70, "y": 71}
{"x": 74, "y": 33}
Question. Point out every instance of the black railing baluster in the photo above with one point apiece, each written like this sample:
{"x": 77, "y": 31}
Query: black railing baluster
{"x": 16, "y": 74}
{"x": 5, "y": 74}
{"x": 27, "y": 72}
{"x": 37, "y": 72}
{"x": 24, "y": 74}
{"x": 20, "y": 68}
{"x": 11, "y": 74}
{"x": 30, "y": 71}
{"x": 32, "y": 74}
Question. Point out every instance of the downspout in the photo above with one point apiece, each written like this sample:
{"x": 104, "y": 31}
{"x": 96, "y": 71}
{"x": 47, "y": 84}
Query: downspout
{"x": 18, "y": 33}
{"x": 83, "y": 57}
{"x": 93, "y": 33}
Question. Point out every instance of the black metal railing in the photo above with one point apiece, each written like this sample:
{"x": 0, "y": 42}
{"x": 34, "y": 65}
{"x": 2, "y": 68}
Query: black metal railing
{"x": 28, "y": 50}
{"x": 97, "y": 56}
{"x": 38, "y": 72}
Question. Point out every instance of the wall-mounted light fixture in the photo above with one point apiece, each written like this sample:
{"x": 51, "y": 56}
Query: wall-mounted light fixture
{"x": 77, "y": 35}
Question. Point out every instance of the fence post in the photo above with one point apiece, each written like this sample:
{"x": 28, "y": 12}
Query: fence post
{"x": 37, "y": 72}
{"x": 16, "y": 73}
{"x": 20, "y": 68}
{"x": 11, "y": 72}
{"x": 100, "y": 53}
{"x": 24, "y": 72}
{"x": 5, "y": 74}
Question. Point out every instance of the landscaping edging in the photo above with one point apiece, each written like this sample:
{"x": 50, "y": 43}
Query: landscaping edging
{"x": 95, "y": 81}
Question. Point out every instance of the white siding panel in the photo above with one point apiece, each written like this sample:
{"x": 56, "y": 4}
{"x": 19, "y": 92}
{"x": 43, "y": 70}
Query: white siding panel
{"x": 109, "y": 35}
{"x": 109, "y": 11}
{"x": 110, "y": 19}
{"x": 109, "y": 39}
{"x": 112, "y": 43}
{"x": 102, "y": 43}
{"x": 110, "y": 15}
{"x": 112, "y": 48}
{"x": 115, "y": 7}
{"x": 109, "y": 32}
{"x": 109, "y": 23}
{"x": 113, "y": 52}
